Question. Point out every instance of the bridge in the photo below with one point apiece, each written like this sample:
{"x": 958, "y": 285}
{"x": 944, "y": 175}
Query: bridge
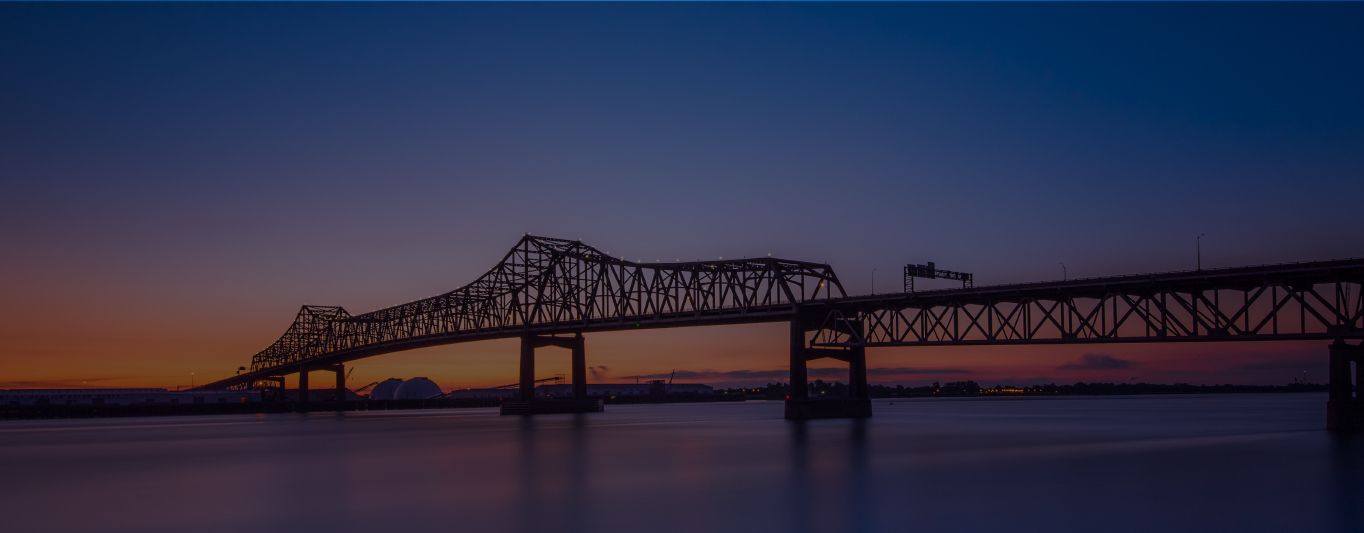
{"x": 549, "y": 292}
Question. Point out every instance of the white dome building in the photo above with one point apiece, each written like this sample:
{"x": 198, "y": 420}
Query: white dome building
{"x": 417, "y": 389}
{"x": 385, "y": 389}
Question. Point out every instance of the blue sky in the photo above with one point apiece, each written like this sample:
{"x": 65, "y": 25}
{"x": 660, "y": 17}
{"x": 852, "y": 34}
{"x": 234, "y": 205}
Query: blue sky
{"x": 238, "y": 160}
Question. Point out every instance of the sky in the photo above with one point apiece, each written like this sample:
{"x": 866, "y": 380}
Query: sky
{"x": 177, "y": 179}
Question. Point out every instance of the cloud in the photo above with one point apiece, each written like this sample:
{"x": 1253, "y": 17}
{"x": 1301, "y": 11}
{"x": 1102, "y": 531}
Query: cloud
{"x": 1092, "y": 361}
{"x": 76, "y": 383}
{"x": 732, "y": 374}
{"x": 739, "y": 375}
{"x": 598, "y": 372}
{"x": 914, "y": 371}
{"x": 1290, "y": 366}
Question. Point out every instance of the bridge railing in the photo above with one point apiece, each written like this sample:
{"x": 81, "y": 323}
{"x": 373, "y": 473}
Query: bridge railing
{"x": 1319, "y": 300}
{"x": 553, "y": 283}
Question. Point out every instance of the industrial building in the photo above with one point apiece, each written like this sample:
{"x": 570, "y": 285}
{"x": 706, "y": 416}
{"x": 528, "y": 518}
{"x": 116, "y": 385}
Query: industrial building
{"x": 417, "y": 389}
{"x": 397, "y": 389}
{"x": 384, "y": 389}
{"x": 22, "y": 397}
{"x": 504, "y": 394}
{"x": 594, "y": 390}
{"x": 322, "y": 395}
{"x": 606, "y": 390}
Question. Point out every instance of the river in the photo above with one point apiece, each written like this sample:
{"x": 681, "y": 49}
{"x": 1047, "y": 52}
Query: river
{"x": 1250, "y": 462}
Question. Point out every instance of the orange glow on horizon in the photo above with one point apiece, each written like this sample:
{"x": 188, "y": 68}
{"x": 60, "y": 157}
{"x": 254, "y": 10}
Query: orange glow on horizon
{"x": 119, "y": 353}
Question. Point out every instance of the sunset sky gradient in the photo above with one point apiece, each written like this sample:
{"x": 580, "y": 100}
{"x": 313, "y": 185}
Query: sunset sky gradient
{"x": 177, "y": 179}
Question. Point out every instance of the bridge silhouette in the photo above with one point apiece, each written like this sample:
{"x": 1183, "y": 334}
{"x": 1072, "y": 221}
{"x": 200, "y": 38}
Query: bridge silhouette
{"x": 549, "y": 292}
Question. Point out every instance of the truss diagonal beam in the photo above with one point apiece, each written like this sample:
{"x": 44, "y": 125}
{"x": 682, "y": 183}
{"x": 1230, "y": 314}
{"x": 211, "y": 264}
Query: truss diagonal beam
{"x": 547, "y": 286}
{"x": 1318, "y": 300}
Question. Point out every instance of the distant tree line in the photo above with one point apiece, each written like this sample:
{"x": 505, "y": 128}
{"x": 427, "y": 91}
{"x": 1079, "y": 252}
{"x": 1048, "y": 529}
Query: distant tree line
{"x": 824, "y": 389}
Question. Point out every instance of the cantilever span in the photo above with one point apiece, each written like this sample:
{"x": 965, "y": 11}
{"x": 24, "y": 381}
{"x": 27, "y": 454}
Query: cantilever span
{"x": 547, "y": 286}
{"x": 1320, "y": 300}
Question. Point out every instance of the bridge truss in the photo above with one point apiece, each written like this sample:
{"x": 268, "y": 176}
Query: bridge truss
{"x": 547, "y": 286}
{"x": 1318, "y": 300}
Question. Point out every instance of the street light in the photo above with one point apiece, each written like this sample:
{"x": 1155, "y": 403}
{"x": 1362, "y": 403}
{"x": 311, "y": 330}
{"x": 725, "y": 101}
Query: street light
{"x": 191, "y": 380}
{"x": 1199, "y": 242}
{"x": 1064, "y": 275}
{"x": 873, "y": 281}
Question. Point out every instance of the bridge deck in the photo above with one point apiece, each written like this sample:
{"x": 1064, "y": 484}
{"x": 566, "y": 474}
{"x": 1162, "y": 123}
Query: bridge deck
{"x": 1235, "y": 278}
{"x": 550, "y": 286}
{"x": 1296, "y": 301}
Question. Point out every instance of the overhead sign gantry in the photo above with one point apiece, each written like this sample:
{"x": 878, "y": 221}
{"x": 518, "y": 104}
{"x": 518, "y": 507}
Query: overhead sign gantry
{"x": 930, "y": 271}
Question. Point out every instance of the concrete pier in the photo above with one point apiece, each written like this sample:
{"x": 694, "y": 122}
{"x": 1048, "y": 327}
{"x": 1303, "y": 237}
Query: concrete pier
{"x": 1345, "y": 405}
{"x": 799, "y": 405}
{"x": 528, "y": 403}
{"x": 552, "y": 406}
{"x": 828, "y": 408}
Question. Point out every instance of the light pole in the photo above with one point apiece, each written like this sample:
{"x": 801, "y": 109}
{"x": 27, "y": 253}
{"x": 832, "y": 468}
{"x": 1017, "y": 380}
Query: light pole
{"x": 191, "y": 380}
{"x": 1199, "y": 243}
{"x": 1064, "y": 275}
{"x": 873, "y": 281}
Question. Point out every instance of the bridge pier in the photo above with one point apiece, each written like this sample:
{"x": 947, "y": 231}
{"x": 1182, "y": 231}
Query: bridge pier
{"x": 276, "y": 393}
{"x": 527, "y": 368}
{"x": 340, "y": 383}
{"x": 303, "y": 397}
{"x": 579, "y": 373}
{"x": 302, "y": 386}
{"x": 528, "y": 404}
{"x": 799, "y": 405}
{"x": 1345, "y": 405}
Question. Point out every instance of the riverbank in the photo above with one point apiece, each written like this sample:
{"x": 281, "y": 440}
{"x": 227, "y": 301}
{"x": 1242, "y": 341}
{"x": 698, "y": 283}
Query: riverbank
{"x": 31, "y": 412}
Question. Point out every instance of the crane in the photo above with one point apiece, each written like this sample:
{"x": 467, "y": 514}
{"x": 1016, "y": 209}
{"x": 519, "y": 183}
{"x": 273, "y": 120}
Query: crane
{"x": 366, "y": 387}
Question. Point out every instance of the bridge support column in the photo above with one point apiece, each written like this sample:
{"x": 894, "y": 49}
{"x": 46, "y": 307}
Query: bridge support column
{"x": 278, "y": 392}
{"x": 340, "y": 371}
{"x": 579, "y": 368}
{"x": 341, "y": 383}
{"x": 303, "y": 386}
{"x": 857, "y": 373}
{"x": 1345, "y": 404}
{"x": 528, "y": 404}
{"x": 800, "y": 378}
{"x": 527, "y": 368}
{"x": 800, "y": 406}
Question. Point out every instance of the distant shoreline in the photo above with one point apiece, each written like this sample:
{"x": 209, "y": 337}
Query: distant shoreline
{"x": 42, "y": 412}
{"x": 958, "y": 389}
{"x": 772, "y": 392}
{"x": 1106, "y": 389}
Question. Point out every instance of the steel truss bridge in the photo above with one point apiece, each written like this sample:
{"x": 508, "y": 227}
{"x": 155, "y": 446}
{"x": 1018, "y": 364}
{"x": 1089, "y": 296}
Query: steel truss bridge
{"x": 1318, "y": 300}
{"x": 547, "y": 286}
{"x": 544, "y": 289}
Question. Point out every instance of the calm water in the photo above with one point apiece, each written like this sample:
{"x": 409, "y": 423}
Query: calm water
{"x": 1144, "y": 463}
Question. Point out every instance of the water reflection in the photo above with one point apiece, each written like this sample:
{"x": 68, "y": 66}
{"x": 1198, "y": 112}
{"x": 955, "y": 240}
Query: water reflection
{"x": 860, "y": 507}
{"x": 829, "y": 488}
{"x": 1348, "y": 469}
{"x": 552, "y": 474}
{"x": 529, "y": 506}
{"x": 800, "y": 498}
{"x": 1245, "y": 463}
{"x": 578, "y": 506}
